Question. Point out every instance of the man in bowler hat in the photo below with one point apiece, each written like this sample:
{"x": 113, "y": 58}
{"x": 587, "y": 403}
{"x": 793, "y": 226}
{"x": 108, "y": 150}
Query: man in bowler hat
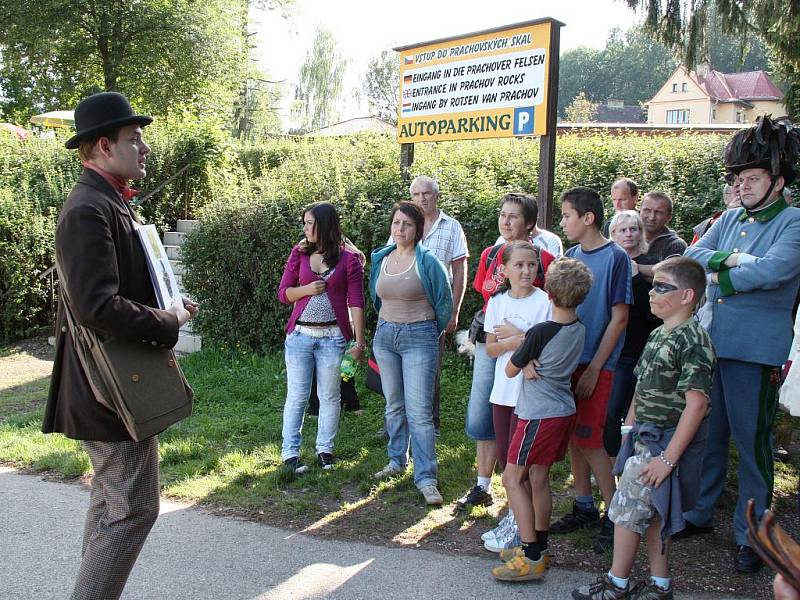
{"x": 105, "y": 277}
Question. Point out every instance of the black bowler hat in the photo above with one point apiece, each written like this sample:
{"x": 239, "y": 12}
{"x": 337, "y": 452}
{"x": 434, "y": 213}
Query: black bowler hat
{"x": 100, "y": 112}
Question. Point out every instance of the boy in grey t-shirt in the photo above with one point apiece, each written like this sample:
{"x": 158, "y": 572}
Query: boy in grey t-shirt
{"x": 544, "y": 416}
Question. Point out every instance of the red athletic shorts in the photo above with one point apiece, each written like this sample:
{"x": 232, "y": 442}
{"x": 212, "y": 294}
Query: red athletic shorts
{"x": 590, "y": 417}
{"x": 540, "y": 441}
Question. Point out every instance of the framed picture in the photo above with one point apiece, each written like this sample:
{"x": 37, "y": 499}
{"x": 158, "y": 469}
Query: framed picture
{"x": 161, "y": 273}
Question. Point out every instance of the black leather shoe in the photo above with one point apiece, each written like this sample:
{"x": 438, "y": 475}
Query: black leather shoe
{"x": 746, "y": 561}
{"x": 477, "y": 496}
{"x": 578, "y": 519}
{"x": 605, "y": 539}
{"x": 692, "y": 530}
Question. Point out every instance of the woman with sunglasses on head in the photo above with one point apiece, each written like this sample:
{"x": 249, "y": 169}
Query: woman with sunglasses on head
{"x": 323, "y": 280}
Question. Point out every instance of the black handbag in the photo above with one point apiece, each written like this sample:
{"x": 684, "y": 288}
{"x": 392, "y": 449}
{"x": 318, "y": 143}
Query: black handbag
{"x": 143, "y": 385}
{"x": 374, "y": 377}
{"x": 347, "y": 389}
{"x": 476, "y": 332}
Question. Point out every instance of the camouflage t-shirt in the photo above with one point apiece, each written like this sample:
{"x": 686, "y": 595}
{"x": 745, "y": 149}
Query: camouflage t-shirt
{"x": 673, "y": 362}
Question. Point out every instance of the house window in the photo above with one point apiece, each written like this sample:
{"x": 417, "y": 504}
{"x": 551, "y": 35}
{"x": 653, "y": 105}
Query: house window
{"x": 677, "y": 117}
{"x": 674, "y": 87}
{"x": 684, "y": 87}
{"x": 714, "y": 114}
{"x": 740, "y": 116}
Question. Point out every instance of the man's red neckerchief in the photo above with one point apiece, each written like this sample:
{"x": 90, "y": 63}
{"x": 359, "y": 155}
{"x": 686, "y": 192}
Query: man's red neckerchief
{"x": 118, "y": 183}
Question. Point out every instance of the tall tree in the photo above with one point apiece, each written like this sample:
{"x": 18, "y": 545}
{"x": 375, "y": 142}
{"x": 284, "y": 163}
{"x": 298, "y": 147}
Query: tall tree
{"x": 686, "y": 26}
{"x": 579, "y": 72}
{"x": 634, "y": 66}
{"x": 320, "y": 86}
{"x": 731, "y": 53}
{"x": 161, "y": 54}
{"x": 255, "y": 113}
{"x": 382, "y": 85}
{"x": 630, "y": 68}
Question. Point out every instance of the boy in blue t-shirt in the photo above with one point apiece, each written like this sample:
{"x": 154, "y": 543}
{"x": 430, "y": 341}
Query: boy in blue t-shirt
{"x": 543, "y": 419}
{"x": 604, "y": 313}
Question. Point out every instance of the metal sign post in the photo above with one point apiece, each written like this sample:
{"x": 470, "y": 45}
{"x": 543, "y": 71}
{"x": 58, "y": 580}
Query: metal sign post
{"x": 406, "y": 160}
{"x": 547, "y": 142}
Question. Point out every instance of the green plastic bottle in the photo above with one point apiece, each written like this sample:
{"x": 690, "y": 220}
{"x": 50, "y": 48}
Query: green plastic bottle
{"x": 347, "y": 369}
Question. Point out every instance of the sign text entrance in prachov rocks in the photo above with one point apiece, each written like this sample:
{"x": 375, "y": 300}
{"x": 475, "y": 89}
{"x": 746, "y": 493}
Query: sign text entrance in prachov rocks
{"x": 482, "y": 85}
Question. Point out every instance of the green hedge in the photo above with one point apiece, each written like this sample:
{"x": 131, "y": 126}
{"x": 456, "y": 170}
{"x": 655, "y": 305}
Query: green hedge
{"x": 26, "y": 250}
{"x": 234, "y": 261}
{"x": 249, "y": 198}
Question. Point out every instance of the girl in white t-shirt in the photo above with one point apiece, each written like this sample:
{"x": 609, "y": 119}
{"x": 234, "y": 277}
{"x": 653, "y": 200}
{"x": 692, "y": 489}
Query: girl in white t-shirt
{"x": 516, "y": 307}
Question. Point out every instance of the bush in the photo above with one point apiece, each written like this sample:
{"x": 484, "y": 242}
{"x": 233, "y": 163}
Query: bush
{"x": 26, "y": 251}
{"x": 213, "y": 168}
{"x": 234, "y": 262}
{"x": 40, "y": 172}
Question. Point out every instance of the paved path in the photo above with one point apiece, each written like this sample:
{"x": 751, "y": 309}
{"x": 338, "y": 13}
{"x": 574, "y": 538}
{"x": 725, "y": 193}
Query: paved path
{"x": 193, "y": 555}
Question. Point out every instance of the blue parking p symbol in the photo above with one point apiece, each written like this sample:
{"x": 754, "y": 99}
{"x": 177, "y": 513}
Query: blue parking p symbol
{"x": 523, "y": 121}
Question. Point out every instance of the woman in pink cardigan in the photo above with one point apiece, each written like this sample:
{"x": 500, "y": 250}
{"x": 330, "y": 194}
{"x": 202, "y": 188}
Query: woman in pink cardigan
{"x": 323, "y": 280}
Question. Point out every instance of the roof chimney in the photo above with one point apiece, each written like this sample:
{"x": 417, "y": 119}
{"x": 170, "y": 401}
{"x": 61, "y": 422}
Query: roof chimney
{"x": 702, "y": 69}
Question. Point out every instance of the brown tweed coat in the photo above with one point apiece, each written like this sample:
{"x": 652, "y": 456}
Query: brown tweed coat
{"x": 106, "y": 278}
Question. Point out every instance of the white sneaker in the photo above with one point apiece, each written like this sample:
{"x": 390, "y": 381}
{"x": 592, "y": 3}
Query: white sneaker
{"x": 493, "y": 533}
{"x": 509, "y": 539}
{"x": 389, "y": 470}
{"x": 500, "y": 529}
{"x": 431, "y": 494}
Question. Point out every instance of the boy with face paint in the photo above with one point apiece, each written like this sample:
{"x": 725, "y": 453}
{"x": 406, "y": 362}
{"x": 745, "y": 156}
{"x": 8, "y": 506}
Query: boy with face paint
{"x": 660, "y": 460}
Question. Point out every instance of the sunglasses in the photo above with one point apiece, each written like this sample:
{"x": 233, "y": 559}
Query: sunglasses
{"x": 661, "y": 287}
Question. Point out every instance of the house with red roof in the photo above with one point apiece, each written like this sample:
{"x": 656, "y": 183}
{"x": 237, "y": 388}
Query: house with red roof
{"x": 706, "y": 96}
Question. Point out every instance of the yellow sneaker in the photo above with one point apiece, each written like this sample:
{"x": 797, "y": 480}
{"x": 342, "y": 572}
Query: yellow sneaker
{"x": 510, "y": 553}
{"x": 520, "y": 568}
{"x": 507, "y": 555}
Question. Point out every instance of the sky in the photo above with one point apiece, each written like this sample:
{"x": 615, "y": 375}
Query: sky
{"x": 363, "y": 28}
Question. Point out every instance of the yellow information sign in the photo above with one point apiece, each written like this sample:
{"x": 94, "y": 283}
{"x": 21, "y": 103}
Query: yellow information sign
{"x": 483, "y": 85}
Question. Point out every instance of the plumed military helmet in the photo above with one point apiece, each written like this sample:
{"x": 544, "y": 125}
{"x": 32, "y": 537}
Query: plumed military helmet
{"x": 769, "y": 144}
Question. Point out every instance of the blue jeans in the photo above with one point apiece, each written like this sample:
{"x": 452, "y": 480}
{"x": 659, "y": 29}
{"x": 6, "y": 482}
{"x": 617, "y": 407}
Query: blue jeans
{"x": 303, "y": 355}
{"x": 408, "y": 357}
{"x": 479, "y": 423}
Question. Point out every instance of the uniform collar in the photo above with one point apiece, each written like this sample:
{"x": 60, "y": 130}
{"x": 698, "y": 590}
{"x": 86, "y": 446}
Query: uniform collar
{"x": 767, "y": 214}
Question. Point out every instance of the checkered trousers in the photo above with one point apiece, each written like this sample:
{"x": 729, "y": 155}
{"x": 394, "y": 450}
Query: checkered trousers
{"x": 123, "y": 507}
